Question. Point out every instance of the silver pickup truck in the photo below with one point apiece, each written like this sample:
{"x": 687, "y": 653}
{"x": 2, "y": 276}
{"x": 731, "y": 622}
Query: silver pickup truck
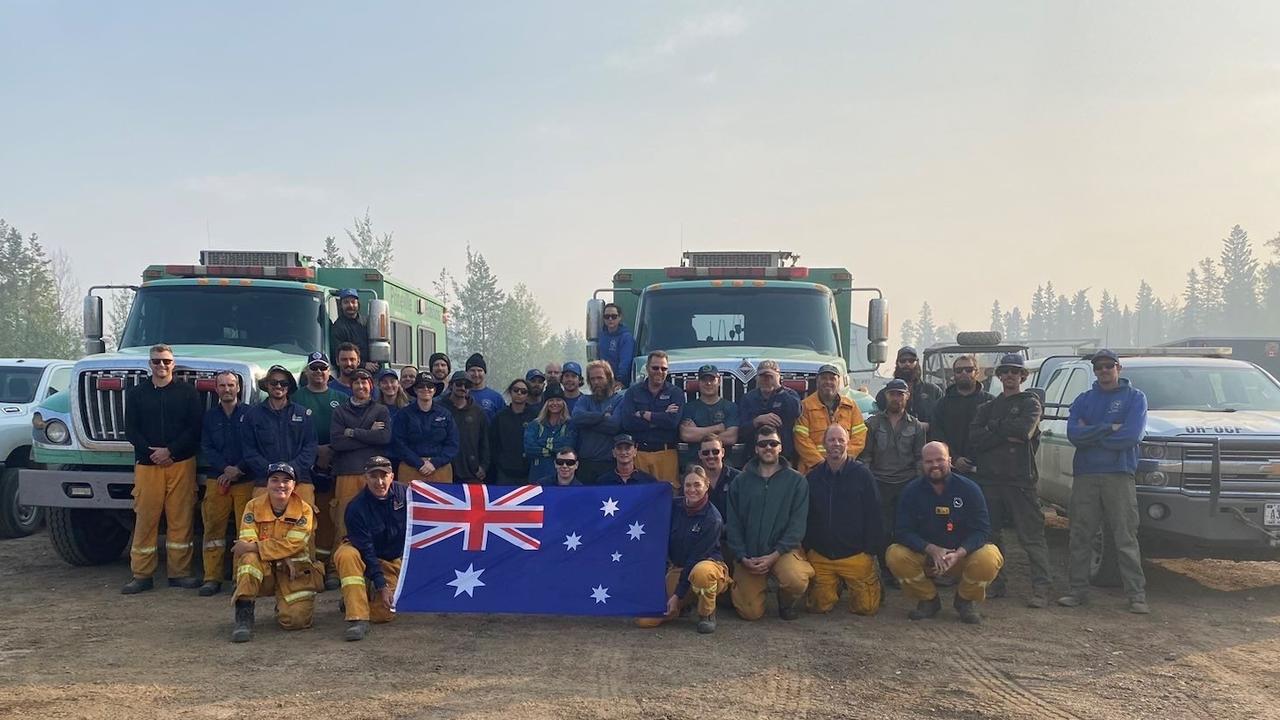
{"x": 24, "y": 384}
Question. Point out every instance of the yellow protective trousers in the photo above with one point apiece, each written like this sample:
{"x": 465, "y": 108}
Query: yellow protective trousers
{"x": 975, "y": 570}
{"x": 793, "y": 573}
{"x": 216, "y": 510}
{"x": 662, "y": 464}
{"x": 281, "y": 564}
{"x": 171, "y": 492}
{"x": 363, "y": 600}
{"x": 324, "y": 529}
{"x": 345, "y": 489}
{"x": 409, "y": 473}
{"x": 860, "y": 574}
{"x": 707, "y": 579}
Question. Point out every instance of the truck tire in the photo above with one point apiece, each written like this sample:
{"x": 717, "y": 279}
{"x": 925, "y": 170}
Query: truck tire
{"x": 978, "y": 337}
{"x": 1104, "y": 571}
{"x": 87, "y": 537}
{"x": 16, "y": 520}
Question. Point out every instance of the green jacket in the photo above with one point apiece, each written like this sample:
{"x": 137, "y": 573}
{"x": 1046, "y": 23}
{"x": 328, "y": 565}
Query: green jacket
{"x": 322, "y": 405}
{"x": 767, "y": 515}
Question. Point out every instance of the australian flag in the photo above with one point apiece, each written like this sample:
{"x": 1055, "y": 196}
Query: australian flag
{"x": 536, "y": 549}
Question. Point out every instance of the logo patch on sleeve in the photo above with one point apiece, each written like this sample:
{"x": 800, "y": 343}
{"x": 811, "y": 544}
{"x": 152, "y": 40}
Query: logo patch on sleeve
{"x": 248, "y": 517}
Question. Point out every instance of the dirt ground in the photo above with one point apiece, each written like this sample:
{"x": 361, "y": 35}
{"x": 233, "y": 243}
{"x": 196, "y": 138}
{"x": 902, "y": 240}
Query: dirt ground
{"x": 72, "y": 647}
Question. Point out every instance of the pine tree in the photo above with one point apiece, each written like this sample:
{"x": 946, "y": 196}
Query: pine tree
{"x": 1193, "y": 311}
{"x": 477, "y": 307}
{"x": 1037, "y": 327}
{"x": 1145, "y": 316}
{"x": 371, "y": 250}
{"x": 1109, "y": 320}
{"x": 908, "y": 334}
{"x": 1082, "y": 320}
{"x": 925, "y": 327}
{"x": 332, "y": 257}
{"x": 1062, "y": 320}
{"x": 997, "y": 319}
{"x": 1124, "y": 336}
{"x": 1239, "y": 281}
{"x": 32, "y": 318}
{"x": 1211, "y": 291}
{"x": 117, "y": 315}
{"x": 1014, "y": 324}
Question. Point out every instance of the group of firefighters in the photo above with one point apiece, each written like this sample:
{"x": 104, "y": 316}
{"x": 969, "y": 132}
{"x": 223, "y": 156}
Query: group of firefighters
{"x": 314, "y": 476}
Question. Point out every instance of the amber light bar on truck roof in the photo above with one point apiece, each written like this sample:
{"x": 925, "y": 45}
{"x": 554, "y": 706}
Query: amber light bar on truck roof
{"x": 242, "y": 271}
{"x": 779, "y": 273}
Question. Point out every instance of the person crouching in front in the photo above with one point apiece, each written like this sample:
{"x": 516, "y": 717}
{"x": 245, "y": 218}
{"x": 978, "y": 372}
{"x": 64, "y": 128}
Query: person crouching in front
{"x": 368, "y": 560}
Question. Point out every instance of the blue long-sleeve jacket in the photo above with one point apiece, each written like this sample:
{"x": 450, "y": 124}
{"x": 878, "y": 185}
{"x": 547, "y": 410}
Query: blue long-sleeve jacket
{"x": 432, "y": 434}
{"x": 663, "y": 428}
{"x": 619, "y": 350}
{"x": 1099, "y": 449}
{"x": 220, "y": 442}
{"x": 596, "y": 423}
{"x": 694, "y": 538}
{"x": 785, "y": 402}
{"x": 541, "y": 442}
{"x": 375, "y": 527}
{"x": 956, "y": 518}
{"x": 272, "y": 436}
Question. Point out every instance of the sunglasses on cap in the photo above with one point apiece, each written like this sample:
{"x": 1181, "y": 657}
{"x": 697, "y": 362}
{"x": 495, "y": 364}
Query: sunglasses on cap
{"x": 566, "y": 462}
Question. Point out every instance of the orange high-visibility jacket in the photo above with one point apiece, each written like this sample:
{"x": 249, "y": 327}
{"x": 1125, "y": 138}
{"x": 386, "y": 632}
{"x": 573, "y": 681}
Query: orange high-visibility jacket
{"x": 812, "y": 426}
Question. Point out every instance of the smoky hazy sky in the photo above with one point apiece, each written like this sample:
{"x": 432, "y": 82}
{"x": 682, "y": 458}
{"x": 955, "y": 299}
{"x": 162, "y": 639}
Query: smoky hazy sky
{"x": 949, "y": 152}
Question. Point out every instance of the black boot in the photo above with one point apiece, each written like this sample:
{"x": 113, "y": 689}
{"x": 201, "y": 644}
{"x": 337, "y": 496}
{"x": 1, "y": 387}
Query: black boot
{"x": 707, "y": 623}
{"x": 137, "y": 585}
{"x": 789, "y": 610}
{"x": 186, "y": 583}
{"x": 968, "y": 610}
{"x": 211, "y": 588}
{"x": 244, "y": 622}
{"x": 926, "y": 609}
{"x": 356, "y": 630}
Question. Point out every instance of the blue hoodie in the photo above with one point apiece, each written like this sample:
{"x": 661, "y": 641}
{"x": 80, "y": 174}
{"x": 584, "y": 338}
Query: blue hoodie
{"x": 619, "y": 350}
{"x": 1099, "y": 449}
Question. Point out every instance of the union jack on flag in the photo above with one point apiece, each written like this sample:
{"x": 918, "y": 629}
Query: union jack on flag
{"x": 436, "y": 516}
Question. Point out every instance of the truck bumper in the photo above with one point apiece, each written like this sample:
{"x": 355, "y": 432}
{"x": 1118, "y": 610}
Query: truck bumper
{"x": 93, "y": 489}
{"x": 1236, "y": 530}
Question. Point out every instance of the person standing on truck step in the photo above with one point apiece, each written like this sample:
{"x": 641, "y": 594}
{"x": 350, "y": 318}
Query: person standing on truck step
{"x": 424, "y": 437}
{"x": 823, "y": 408}
{"x": 709, "y": 414}
{"x": 1003, "y": 439}
{"x": 768, "y": 511}
{"x": 489, "y": 400}
{"x": 227, "y": 488}
{"x": 595, "y": 423}
{"x": 924, "y": 395}
{"x": 318, "y": 397}
{"x": 895, "y": 440}
{"x": 624, "y": 471}
{"x": 279, "y": 430}
{"x": 369, "y": 559}
{"x": 617, "y": 347}
{"x": 506, "y": 436}
{"x": 954, "y": 413}
{"x": 942, "y": 528}
{"x": 272, "y": 557}
{"x": 471, "y": 463}
{"x": 547, "y": 434}
{"x": 348, "y": 327}
{"x": 771, "y": 404}
{"x": 537, "y": 381}
{"x": 650, "y": 412}
{"x": 361, "y": 429}
{"x": 571, "y": 383}
{"x": 845, "y": 533}
{"x": 1106, "y": 424}
{"x": 440, "y": 367}
{"x": 163, "y": 425}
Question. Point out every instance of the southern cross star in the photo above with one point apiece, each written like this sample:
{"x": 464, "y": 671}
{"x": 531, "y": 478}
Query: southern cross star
{"x": 636, "y": 530}
{"x": 617, "y": 557}
{"x": 600, "y": 594}
{"x": 467, "y": 581}
{"x": 609, "y": 507}
{"x": 572, "y": 541}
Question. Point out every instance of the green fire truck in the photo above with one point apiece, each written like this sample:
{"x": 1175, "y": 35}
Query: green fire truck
{"x": 734, "y": 309}
{"x": 242, "y": 311}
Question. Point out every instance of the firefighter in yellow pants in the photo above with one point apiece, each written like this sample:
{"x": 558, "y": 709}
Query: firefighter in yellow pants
{"x": 845, "y": 531}
{"x": 368, "y": 561}
{"x": 272, "y": 558}
{"x": 360, "y": 429}
{"x": 219, "y": 506}
{"x": 707, "y": 580}
{"x": 227, "y": 487}
{"x": 163, "y": 426}
{"x": 860, "y": 574}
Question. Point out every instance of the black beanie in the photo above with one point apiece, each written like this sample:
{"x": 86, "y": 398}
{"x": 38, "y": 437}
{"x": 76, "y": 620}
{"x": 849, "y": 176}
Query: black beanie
{"x": 439, "y": 356}
{"x": 477, "y": 360}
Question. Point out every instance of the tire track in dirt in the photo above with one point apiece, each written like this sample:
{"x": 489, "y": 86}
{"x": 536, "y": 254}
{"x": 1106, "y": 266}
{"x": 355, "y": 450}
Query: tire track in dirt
{"x": 1012, "y": 692}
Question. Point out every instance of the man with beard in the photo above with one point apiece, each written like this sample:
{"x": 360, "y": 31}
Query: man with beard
{"x": 279, "y": 430}
{"x": 552, "y": 372}
{"x": 942, "y": 528}
{"x": 489, "y": 400}
{"x": 227, "y": 488}
{"x": 348, "y": 328}
{"x": 571, "y": 383}
{"x": 348, "y": 359}
{"x": 768, "y": 510}
{"x": 1005, "y": 436}
{"x": 595, "y": 423}
{"x": 924, "y": 395}
{"x": 824, "y": 408}
{"x": 954, "y": 412}
{"x": 537, "y": 382}
{"x": 894, "y": 442}
{"x": 439, "y": 367}
{"x": 469, "y": 465}
{"x": 771, "y": 404}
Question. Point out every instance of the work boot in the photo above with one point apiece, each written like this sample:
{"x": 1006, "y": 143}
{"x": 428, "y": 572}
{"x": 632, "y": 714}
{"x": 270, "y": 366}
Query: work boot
{"x": 243, "y": 630}
{"x": 789, "y": 609}
{"x": 1139, "y": 607}
{"x": 968, "y": 610}
{"x": 1038, "y": 599}
{"x": 331, "y": 582}
{"x": 926, "y": 609}
{"x": 356, "y": 630}
{"x": 1073, "y": 599}
{"x": 211, "y": 588}
{"x": 997, "y": 590}
{"x": 186, "y": 583}
{"x": 707, "y": 623}
{"x": 137, "y": 585}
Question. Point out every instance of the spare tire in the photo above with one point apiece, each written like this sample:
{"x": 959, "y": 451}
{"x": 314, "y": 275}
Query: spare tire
{"x": 978, "y": 337}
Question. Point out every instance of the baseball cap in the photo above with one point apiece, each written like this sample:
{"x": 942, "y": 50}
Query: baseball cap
{"x": 317, "y": 357}
{"x": 908, "y": 350}
{"x": 829, "y": 368}
{"x": 426, "y": 380}
{"x": 706, "y": 370}
{"x": 572, "y": 367}
{"x": 897, "y": 385}
{"x": 386, "y": 372}
{"x": 348, "y": 293}
{"x": 1104, "y": 354}
{"x": 282, "y": 467}
{"x": 623, "y": 439}
{"x": 377, "y": 462}
{"x": 534, "y": 373}
{"x": 1012, "y": 360}
{"x": 768, "y": 366}
{"x": 460, "y": 376}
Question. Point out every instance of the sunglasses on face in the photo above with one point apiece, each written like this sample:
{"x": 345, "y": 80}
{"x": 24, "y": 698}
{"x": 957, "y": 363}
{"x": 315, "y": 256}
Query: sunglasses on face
{"x": 964, "y": 370}
{"x": 278, "y": 383}
{"x": 768, "y": 444}
{"x": 565, "y": 462}
{"x": 161, "y": 361}
{"x": 709, "y": 453}
{"x": 317, "y": 368}
{"x": 658, "y": 368}
{"x": 459, "y": 384}
{"x": 1104, "y": 366}
{"x": 519, "y": 391}
{"x": 612, "y": 316}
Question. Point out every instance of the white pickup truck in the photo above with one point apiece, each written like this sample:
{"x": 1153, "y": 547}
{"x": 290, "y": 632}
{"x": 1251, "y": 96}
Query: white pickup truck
{"x": 24, "y": 384}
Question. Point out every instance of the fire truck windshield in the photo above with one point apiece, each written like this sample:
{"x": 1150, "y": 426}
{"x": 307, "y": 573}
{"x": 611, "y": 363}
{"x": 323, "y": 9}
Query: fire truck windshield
{"x": 291, "y": 321}
{"x": 703, "y": 317}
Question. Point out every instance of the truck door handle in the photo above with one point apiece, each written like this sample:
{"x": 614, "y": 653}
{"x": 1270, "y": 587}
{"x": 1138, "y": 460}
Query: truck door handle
{"x": 1047, "y": 433}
